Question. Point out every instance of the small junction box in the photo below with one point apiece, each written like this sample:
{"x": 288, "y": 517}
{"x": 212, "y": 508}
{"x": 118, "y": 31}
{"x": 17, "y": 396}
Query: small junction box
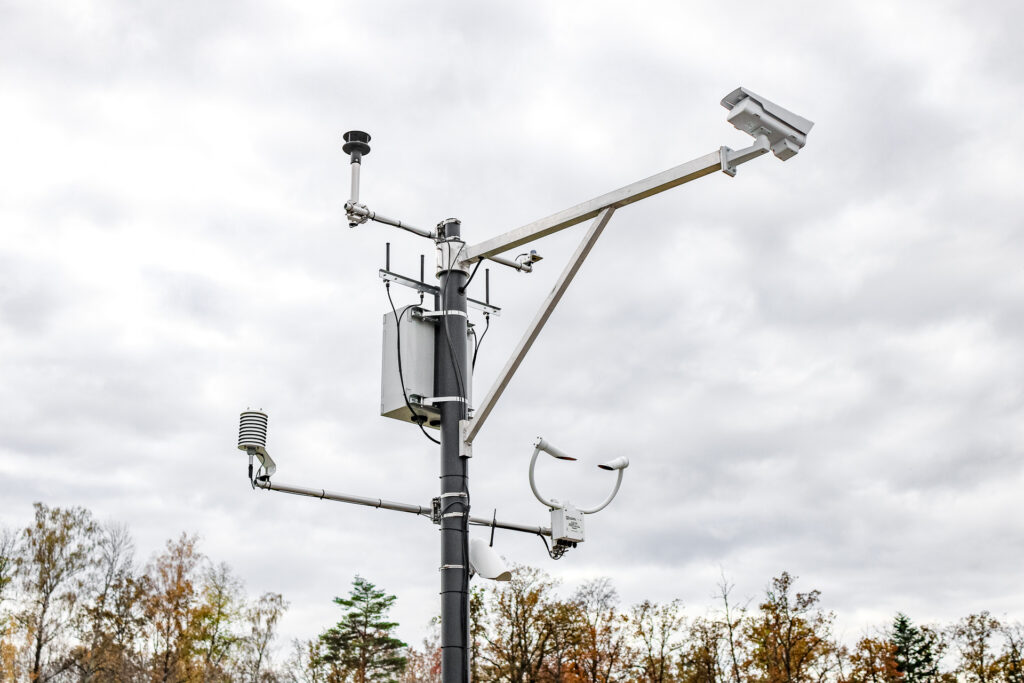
{"x": 567, "y": 524}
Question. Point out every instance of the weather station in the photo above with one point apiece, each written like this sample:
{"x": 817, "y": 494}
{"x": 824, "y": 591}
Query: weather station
{"x": 429, "y": 354}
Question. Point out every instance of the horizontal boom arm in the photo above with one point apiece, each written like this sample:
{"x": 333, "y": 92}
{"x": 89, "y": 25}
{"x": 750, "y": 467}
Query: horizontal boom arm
{"x": 666, "y": 180}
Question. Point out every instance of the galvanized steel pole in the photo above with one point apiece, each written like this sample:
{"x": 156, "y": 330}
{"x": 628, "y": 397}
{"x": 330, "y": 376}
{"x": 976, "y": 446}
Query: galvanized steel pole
{"x": 451, "y": 384}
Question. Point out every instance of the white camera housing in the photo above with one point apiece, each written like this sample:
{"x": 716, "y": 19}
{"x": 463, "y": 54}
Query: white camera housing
{"x": 758, "y": 116}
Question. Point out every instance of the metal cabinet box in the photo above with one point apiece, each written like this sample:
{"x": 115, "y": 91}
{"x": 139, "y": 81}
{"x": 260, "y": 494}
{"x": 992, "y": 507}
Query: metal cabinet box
{"x": 417, "y": 335}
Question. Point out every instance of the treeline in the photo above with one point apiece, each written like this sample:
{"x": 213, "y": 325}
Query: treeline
{"x": 524, "y": 631}
{"x": 75, "y": 605}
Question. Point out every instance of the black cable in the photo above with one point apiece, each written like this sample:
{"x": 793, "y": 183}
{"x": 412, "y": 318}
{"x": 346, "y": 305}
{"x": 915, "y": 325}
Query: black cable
{"x": 447, "y": 333}
{"x": 417, "y": 418}
{"x": 427, "y": 434}
{"x": 559, "y": 550}
{"x": 458, "y": 370}
{"x": 471, "y": 329}
{"x": 465, "y": 563}
{"x": 476, "y": 346}
{"x": 462, "y": 289}
{"x": 546, "y": 547}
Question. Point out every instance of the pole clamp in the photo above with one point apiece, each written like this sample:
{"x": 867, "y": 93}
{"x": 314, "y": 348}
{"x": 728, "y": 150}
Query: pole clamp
{"x": 435, "y": 314}
{"x": 449, "y": 255}
{"x": 431, "y": 400}
{"x": 451, "y": 566}
{"x": 465, "y": 447}
{"x": 356, "y": 213}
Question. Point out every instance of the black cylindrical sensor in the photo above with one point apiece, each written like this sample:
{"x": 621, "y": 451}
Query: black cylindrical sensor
{"x": 357, "y": 143}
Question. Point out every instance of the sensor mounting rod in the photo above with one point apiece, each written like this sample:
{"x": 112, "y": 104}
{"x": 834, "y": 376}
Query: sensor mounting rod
{"x": 424, "y": 511}
{"x": 357, "y": 145}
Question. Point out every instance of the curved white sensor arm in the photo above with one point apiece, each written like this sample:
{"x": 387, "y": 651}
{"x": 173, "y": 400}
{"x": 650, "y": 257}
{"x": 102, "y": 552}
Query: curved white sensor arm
{"x": 619, "y": 464}
{"x": 602, "y": 506}
{"x": 533, "y": 483}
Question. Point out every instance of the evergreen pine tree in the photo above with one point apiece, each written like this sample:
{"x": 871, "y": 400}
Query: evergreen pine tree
{"x": 361, "y": 643}
{"x": 916, "y": 651}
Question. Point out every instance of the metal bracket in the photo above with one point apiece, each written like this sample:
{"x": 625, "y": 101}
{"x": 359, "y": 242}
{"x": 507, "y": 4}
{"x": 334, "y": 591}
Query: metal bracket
{"x": 437, "y": 314}
{"x": 435, "y": 510}
{"x": 448, "y": 257}
{"x": 356, "y": 213}
{"x": 451, "y": 566}
{"x": 359, "y": 213}
{"x": 465, "y": 446}
{"x": 388, "y": 276}
{"x": 521, "y": 267}
{"x": 432, "y": 400}
{"x": 733, "y": 158}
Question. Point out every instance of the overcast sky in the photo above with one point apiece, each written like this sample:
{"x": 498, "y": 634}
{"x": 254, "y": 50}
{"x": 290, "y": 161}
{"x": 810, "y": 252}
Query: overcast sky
{"x": 815, "y": 366}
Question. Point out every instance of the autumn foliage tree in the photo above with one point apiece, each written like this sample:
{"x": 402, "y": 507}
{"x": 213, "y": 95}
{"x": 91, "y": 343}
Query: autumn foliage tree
{"x": 517, "y": 630}
{"x": 56, "y": 551}
{"x": 75, "y": 606}
{"x": 975, "y": 636}
{"x": 702, "y": 659}
{"x": 789, "y": 640}
{"x": 873, "y": 660}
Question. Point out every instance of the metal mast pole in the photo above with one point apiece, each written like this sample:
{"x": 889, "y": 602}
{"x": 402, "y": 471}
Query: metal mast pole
{"x": 451, "y": 384}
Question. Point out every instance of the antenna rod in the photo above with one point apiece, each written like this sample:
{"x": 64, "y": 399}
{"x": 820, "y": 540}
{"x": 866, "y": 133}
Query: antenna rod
{"x": 387, "y": 256}
{"x": 487, "y": 285}
{"x": 423, "y": 260}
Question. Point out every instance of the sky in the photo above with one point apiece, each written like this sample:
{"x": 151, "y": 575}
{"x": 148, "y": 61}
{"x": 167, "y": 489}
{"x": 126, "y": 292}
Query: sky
{"x": 814, "y": 367}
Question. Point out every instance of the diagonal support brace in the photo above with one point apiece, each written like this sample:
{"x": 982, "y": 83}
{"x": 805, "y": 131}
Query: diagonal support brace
{"x": 564, "y": 280}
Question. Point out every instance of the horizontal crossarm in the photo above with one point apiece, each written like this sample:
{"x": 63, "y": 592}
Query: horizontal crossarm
{"x": 666, "y": 180}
